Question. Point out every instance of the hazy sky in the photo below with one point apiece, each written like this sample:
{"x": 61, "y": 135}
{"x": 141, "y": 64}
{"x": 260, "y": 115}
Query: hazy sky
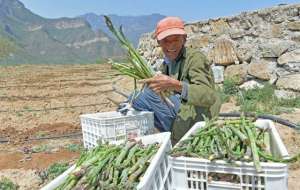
{"x": 189, "y": 10}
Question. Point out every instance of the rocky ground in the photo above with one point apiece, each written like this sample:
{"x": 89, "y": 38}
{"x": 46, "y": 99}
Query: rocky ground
{"x": 44, "y": 101}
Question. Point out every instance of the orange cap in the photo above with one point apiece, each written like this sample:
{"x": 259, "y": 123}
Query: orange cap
{"x": 169, "y": 26}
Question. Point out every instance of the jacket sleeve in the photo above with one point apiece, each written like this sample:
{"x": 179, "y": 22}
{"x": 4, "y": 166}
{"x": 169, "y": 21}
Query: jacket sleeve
{"x": 201, "y": 91}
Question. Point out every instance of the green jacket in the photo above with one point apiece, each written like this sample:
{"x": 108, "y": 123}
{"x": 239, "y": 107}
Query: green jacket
{"x": 202, "y": 99}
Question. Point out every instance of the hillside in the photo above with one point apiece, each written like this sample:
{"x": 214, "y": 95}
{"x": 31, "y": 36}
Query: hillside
{"x": 55, "y": 41}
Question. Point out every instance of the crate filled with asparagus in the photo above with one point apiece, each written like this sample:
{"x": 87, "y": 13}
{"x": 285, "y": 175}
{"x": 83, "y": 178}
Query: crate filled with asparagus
{"x": 233, "y": 154}
{"x": 131, "y": 165}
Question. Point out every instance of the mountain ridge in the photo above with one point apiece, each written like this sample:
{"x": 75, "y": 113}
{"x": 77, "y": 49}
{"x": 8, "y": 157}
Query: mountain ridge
{"x": 41, "y": 40}
{"x": 82, "y": 39}
{"x": 133, "y": 26}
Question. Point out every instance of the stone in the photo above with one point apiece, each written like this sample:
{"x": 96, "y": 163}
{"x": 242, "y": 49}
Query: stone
{"x": 280, "y": 72}
{"x": 235, "y": 34}
{"x": 293, "y": 12}
{"x": 246, "y": 24}
{"x": 273, "y": 77}
{"x": 219, "y": 27}
{"x": 294, "y": 26}
{"x": 223, "y": 52}
{"x": 245, "y": 51}
{"x": 284, "y": 94}
{"x": 190, "y": 29}
{"x": 289, "y": 82}
{"x": 251, "y": 85}
{"x": 274, "y": 48}
{"x": 253, "y": 32}
{"x": 218, "y": 72}
{"x": 293, "y": 19}
{"x": 276, "y": 31}
{"x": 198, "y": 41}
{"x": 278, "y": 20}
{"x": 261, "y": 69}
{"x": 289, "y": 57}
{"x": 296, "y": 37}
{"x": 205, "y": 28}
{"x": 238, "y": 72}
{"x": 292, "y": 67}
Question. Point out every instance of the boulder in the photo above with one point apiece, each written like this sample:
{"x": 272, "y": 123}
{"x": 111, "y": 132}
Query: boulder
{"x": 294, "y": 26}
{"x": 219, "y": 27}
{"x": 274, "y": 48}
{"x": 238, "y": 72}
{"x": 236, "y": 34}
{"x": 223, "y": 52}
{"x": 289, "y": 57}
{"x": 261, "y": 69}
{"x": 292, "y": 67}
{"x": 276, "y": 31}
{"x": 245, "y": 51}
{"x": 280, "y": 71}
{"x": 218, "y": 72}
{"x": 198, "y": 41}
{"x": 289, "y": 82}
{"x": 295, "y": 37}
{"x": 251, "y": 85}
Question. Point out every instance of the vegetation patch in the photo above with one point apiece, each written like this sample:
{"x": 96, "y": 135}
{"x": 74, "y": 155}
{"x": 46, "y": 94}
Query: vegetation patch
{"x": 258, "y": 100}
{"x": 56, "y": 169}
{"x": 74, "y": 147}
{"x": 41, "y": 148}
{"x": 7, "y": 184}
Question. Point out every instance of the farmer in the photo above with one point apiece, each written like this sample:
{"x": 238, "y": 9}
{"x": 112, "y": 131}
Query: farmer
{"x": 185, "y": 72}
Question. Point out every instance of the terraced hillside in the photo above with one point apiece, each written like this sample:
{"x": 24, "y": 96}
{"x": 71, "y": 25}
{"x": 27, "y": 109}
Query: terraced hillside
{"x": 38, "y": 102}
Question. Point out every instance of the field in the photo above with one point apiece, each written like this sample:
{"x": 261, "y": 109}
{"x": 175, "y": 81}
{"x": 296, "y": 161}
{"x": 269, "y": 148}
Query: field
{"x": 39, "y": 115}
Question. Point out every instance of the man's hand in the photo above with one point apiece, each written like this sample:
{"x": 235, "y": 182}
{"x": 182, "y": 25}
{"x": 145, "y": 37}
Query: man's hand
{"x": 160, "y": 83}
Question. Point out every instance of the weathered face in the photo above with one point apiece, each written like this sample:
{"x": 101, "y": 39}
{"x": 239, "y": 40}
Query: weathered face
{"x": 172, "y": 45}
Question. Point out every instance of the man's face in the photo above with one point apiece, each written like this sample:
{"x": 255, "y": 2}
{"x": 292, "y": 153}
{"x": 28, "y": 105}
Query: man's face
{"x": 172, "y": 45}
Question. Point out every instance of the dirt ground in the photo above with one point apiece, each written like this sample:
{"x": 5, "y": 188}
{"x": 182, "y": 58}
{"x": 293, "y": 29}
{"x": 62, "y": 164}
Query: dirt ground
{"x": 39, "y": 104}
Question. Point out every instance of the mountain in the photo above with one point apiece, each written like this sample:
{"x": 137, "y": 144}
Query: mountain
{"x": 40, "y": 40}
{"x": 133, "y": 26}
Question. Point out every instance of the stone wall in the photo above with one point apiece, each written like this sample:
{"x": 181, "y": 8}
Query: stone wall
{"x": 257, "y": 46}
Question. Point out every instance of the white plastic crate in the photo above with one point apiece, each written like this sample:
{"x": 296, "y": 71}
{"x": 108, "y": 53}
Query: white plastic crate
{"x": 202, "y": 174}
{"x": 113, "y": 126}
{"x": 158, "y": 173}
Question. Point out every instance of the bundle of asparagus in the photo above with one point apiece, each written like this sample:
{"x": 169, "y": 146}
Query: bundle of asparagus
{"x": 230, "y": 140}
{"x": 111, "y": 167}
{"x": 137, "y": 67}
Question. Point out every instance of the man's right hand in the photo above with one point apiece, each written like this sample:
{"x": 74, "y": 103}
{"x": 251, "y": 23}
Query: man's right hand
{"x": 160, "y": 83}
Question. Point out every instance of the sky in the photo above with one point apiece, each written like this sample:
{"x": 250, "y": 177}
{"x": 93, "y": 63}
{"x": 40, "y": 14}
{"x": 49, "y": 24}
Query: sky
{"x": 189, "y": 10}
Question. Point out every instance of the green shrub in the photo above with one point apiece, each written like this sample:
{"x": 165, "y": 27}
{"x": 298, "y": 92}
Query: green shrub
{"x": 293, "y": 102}
{"x": 75, "y": 147}
{"x": 259, "y": 100}
{"x": 6, "y": 47}
{"x": 230, "y": 86}
{"x": 56, "y": 169}
{"x": 263, "y": 100}
{"x": 7, "y": 184}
